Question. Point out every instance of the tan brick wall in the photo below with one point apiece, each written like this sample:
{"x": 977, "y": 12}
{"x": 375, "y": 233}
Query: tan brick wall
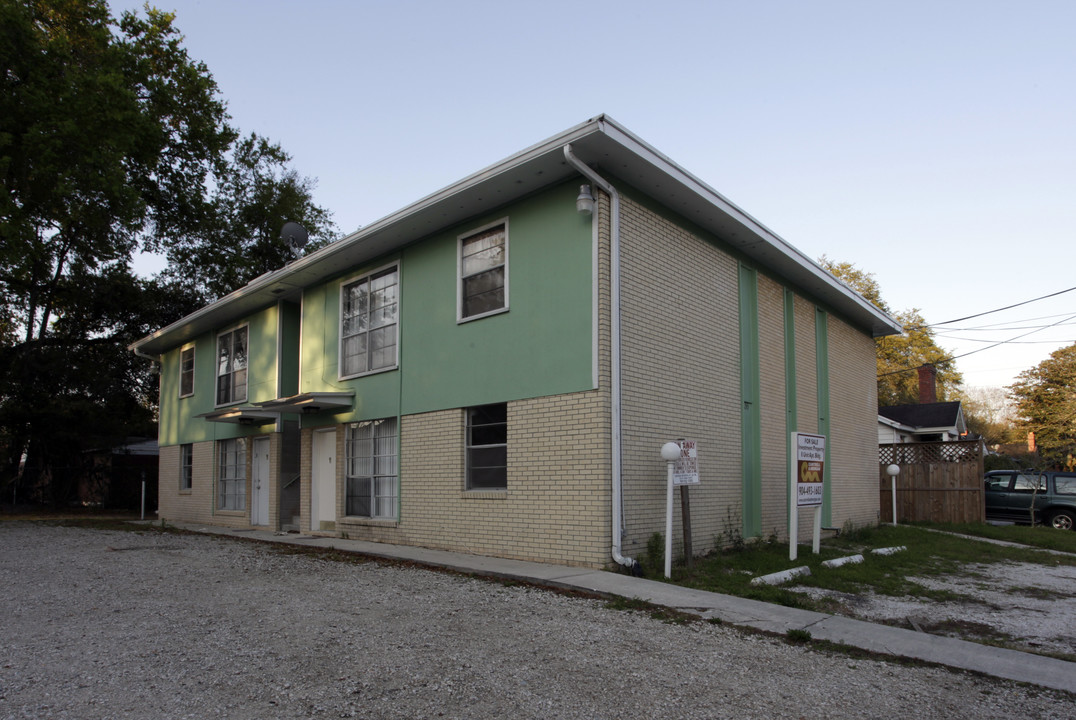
{"x": 853, "y": 418}
{"x": 681, "y": 376}
{"x": 198, "y": 504}
{"x": 556, "y": 506}
{"x": 681, "y": 365}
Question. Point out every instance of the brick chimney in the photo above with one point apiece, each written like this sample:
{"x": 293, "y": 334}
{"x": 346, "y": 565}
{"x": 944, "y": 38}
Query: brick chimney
{"x": 928, "y": 386}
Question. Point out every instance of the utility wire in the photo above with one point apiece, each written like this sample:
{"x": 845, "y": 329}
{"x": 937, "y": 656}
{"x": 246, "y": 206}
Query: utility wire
{"x": 947, "y": 332}
{"x": 989, "y": 347}
{"x": 990, "y": 312}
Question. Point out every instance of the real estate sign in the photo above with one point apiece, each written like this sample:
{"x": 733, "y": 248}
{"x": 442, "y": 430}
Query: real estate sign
{"x": 809, "y": 468}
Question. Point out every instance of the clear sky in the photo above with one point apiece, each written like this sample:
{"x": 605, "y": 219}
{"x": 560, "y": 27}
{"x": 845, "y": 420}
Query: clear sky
{"x": 931, "y": 143}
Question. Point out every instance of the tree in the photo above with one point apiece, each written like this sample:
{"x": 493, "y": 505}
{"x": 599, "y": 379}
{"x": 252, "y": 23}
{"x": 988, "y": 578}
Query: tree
{"x": 103, "y": 136}
{"x": 899, "y": 356}
{"x": 111, "y": 138}
{"x": 1045, "y": 398}
{"x": 254, "y": 193}
{"x": 990, "y": 414}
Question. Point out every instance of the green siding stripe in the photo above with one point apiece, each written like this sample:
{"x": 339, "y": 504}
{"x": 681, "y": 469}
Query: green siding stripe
{"x": 791, "y": 405}
{"x": 821, "y": 330}
{"x": 751, "y": 426}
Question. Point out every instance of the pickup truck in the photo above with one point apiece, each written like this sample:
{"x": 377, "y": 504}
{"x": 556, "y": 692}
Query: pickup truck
{"x": 1010, "y": 494}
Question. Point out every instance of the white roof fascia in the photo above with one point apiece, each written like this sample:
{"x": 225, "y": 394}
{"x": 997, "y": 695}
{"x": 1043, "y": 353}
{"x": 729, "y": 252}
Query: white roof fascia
{"x": 658, "y": 159}
{"x": 436, "y": 211}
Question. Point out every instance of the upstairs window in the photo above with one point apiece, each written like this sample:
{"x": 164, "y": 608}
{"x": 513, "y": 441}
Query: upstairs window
{"x": 186, "y": 372}
{"x": 483, "y": 272}
{"x": 368, "y": 320}
{"x": 487, "y": 447}
{"x": 232, "y": 366}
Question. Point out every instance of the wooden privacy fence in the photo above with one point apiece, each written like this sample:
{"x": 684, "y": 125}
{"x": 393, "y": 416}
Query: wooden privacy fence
{"x": 938, "y": 482}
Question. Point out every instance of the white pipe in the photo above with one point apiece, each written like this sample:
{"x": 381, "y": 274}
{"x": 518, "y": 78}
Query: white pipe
{"x": 614, "y": 341}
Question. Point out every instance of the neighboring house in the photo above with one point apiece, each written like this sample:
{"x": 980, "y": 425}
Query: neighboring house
{"x": 933, "y": 422}
{"x": 925, "y": 421}
{"x": 495, "y": 368}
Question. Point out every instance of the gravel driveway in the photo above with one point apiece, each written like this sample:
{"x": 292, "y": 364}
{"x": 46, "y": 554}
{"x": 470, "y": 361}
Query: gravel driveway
{"x": 100, "y": 624}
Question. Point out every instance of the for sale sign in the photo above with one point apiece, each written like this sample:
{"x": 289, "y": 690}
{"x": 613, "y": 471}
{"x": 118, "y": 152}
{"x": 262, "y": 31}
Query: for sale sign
{"x": 809, "y": 468}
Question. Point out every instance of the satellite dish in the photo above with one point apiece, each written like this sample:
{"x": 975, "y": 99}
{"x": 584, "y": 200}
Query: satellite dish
{"x": 295, "y": 235}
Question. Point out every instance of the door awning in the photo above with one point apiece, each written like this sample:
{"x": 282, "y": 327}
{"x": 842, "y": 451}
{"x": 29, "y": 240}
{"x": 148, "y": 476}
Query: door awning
{"x": 311, "y": 402}
{"x": 246, "y": 415}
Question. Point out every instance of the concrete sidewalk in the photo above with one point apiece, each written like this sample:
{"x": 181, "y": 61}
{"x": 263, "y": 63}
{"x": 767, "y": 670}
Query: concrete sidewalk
{"x": 882, "y": 639}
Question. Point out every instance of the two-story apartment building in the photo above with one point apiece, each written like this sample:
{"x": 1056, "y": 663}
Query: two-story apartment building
{"x": 494, "y": 368}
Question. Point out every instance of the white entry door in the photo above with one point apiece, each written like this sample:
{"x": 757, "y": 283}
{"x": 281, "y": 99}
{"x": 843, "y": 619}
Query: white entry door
{"x": 259, "y": 482}
{"x": 323, "y": 483}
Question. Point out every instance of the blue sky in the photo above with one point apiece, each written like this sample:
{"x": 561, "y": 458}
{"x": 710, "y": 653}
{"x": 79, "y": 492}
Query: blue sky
{"x": 932, "y": 144}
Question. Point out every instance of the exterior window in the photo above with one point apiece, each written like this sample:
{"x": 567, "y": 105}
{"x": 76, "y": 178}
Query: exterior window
{"x": 186, "y": 467}
{"x": 232, "y": 366}
{"x": 1029, "y": 484}
{"x": 368, "y": 323}
{"x": 1065, "y": 484}
{"x": 483, "y": 272}
{"x": 186, "y": 372}
{"x": 232, "y": 479}
{"x": 487, "y": 447}
{"x": 371, "y": 469}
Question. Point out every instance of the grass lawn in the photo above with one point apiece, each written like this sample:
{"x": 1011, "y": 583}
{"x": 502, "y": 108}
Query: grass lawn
{"x": 928, "y": 552}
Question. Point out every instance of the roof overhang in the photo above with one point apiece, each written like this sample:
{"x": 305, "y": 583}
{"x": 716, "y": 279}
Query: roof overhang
{"x": 312, "y": 402}
{"x": 246, "y": 415}
{"x": 883, "y": 420}
{"x": 599, "y": 142}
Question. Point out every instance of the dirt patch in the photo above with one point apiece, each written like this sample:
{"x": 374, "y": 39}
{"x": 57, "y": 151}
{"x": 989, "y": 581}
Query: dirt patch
{"x": 1024, "y": 606}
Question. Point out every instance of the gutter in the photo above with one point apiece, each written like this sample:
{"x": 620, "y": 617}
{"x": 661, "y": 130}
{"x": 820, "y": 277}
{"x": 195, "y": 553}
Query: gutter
{"x": 614, "y": 341}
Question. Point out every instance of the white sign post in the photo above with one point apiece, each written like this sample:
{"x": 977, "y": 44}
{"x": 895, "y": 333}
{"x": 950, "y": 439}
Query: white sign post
{"x": 682, "y": 468}
{"x": 805, "y": 486}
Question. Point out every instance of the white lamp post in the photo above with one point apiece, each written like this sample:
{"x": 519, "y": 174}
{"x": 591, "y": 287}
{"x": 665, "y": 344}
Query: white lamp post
{"x": 893, "y": 471}
{"x": 670, "y": 453}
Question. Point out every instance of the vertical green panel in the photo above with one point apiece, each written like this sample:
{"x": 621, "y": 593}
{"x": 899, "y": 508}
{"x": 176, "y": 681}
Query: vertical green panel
{"x": 821, "y": 330}
{"x": 791, "y": 406}
{"x": 751, "y": 424}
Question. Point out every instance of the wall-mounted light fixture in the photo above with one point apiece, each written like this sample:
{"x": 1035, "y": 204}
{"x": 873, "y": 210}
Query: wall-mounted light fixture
{"x": 585, "y": 202}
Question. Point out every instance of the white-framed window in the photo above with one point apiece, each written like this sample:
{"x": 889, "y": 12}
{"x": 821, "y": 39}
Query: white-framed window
{"x": 186, "y": 371}
{"x": 371, "y": 472}
{"x": 368, "y": 322}
{"x": 482, "y": 263}
{"x": 232, "y": 366}
{"x": 232, "y": 474}
{"x": 487, "y": 447}
{"x": 186, "y": 466}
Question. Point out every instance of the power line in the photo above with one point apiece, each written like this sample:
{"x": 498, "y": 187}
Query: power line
{"x": 1008, "y": 342}
{"x": 990, "y": 312}
{"x": 994, "y": 328}
{"x": 989, "y": 347}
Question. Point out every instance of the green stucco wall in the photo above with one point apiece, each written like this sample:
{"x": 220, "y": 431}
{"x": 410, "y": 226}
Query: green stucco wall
{"x": 542, "y": 346}
{"x": 178, "y": 421}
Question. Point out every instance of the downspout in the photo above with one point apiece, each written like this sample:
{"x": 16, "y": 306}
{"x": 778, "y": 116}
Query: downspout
{"x": 614, "y": 341}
